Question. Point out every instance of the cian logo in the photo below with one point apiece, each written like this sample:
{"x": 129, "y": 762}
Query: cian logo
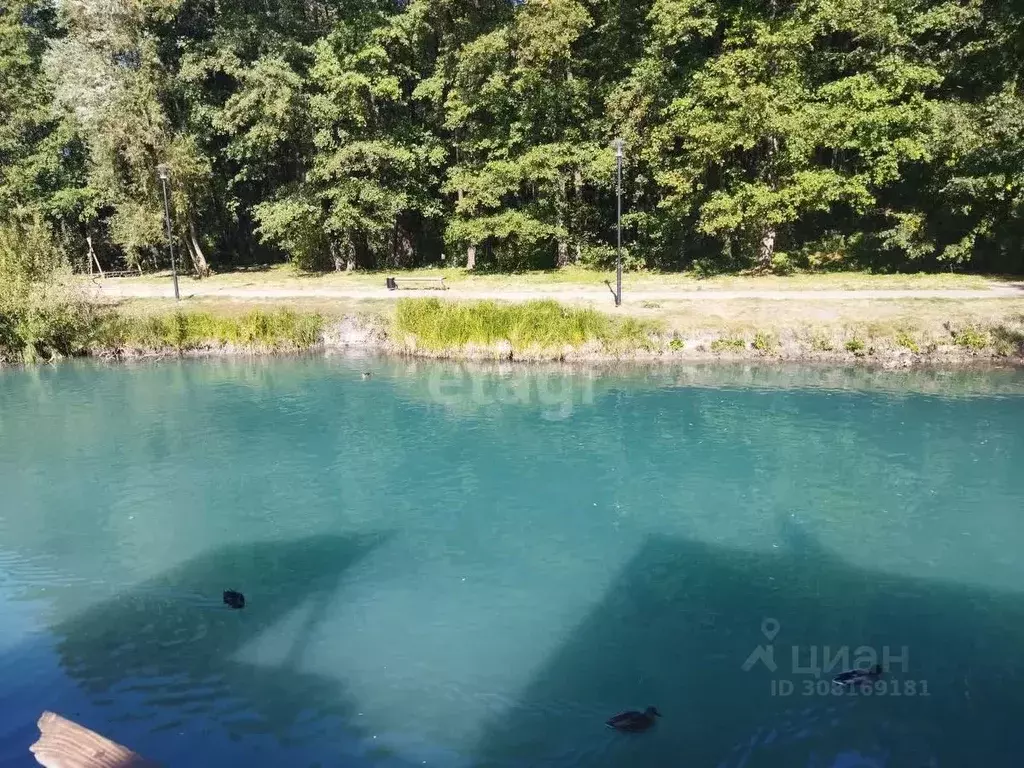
{"x": 765, "y": 654}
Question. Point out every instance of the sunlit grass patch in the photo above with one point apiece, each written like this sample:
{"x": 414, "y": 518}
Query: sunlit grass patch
{"x": 544, "y": 324}
{"x": 185, "y": 330}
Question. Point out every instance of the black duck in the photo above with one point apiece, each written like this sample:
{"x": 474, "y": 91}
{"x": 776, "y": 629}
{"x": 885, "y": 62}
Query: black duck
{"x": 858, "y": 676}
{"x": 634, "y": 721}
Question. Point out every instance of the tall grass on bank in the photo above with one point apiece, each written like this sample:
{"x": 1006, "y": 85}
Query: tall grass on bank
{"x": 542, "y": 325}
{"x": 43, "y": 315}
{"x": 189, "y": 330}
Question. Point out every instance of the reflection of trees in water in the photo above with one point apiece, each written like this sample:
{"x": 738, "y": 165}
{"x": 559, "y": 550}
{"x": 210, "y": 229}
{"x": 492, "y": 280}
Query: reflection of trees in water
{"x": 174, "y": 652}
{"x": 871, "y": 468}
{"x": 149, "y": 455}
{"x": 482, "y": 383}
{"x": 337, "y": 438}
{"x": 871, "y": 473}
{"x": 485, "y": 389}
{"x": 895, "y": 383}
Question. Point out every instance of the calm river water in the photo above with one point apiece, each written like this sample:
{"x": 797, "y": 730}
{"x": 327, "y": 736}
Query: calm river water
{"x": 453, "y": 567}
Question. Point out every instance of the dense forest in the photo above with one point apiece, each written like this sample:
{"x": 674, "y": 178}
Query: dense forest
{"x": 341, "y": 134}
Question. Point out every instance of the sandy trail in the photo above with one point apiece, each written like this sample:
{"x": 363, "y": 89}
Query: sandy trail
{"x": 129, "y": 289}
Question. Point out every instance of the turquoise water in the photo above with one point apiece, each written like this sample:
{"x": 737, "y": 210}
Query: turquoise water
{"x": 460, "y": 568}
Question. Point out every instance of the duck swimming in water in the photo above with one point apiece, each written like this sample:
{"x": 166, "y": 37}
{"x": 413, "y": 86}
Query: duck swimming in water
{"x": 367, "y": 375}
{"x": 858, "y": 676}
{"x": 234, "y": 599}
{"x": 634, "y": 721}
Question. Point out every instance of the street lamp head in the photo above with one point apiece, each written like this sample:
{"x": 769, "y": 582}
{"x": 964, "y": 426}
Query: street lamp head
{"x": 163, "y": 171}
{"x": 619, "y": 143}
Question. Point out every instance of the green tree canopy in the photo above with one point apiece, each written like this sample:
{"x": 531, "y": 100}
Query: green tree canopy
{"x": 344, "y": 134}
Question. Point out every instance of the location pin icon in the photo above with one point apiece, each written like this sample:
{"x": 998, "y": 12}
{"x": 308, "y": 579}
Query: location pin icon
{"x": 770, "y": 628}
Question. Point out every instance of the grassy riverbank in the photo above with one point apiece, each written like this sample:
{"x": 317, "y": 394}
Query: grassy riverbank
{"x": 255, "y": 329}
{"x": 872, "y": 332}
{"x": 892, "y": 333}
{"x": 129, "y": 332}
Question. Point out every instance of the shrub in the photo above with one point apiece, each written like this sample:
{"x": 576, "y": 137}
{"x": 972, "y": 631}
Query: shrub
{"x": 706, "y": 267}
{"x": 42, "y": 314}
{"x": 905, "y": 340}
{"x": 28, "y": 254}
{"x": 971, "y": 338}
{"x": 782, "y": 264}
{"x": 676, "y": 344}
{"x": 855, "y": 345}
{"x": 765, "y": 342}
{"x": 821, "y": 343}
{"x": 728, "y": 344}
{"x": 58, "y": 322}
{"x": 1008, "y": 341}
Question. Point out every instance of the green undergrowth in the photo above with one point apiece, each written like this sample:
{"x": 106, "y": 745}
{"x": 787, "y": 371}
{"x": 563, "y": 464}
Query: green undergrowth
{"x": 971, "y": 337}
{"x": 43, "y": 316}
{"x": 545, "y": 325}
{"x": 188, "y": 330}
{"x": 855, "y": 345}
{"x": 906, "y": 341}
{"x": 766, "y": 343}
{"x": 728, "y": 344}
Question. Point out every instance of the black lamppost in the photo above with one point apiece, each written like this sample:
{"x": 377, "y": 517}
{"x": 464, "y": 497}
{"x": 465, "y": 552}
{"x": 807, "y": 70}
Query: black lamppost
{"x": 164, "y": 172}
{"x": 618, "y": 221}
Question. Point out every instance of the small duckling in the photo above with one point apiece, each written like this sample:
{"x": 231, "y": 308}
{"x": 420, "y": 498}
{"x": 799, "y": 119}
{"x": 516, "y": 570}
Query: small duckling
{"x": 634, "y": 721}
{"x": 234, "y": 599}
{"x": 858, "y": 676}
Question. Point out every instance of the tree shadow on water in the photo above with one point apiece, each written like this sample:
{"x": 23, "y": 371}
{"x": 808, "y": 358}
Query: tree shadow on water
{"x": 680, "y": 623}
{"x": 168, "y": 657}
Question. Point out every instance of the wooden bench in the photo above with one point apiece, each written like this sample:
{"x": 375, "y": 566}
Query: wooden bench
{"x": 392, "y": 282}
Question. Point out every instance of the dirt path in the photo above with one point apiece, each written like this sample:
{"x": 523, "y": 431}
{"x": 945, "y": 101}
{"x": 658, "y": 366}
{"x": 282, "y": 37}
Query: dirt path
{"x": 127, "y": 288}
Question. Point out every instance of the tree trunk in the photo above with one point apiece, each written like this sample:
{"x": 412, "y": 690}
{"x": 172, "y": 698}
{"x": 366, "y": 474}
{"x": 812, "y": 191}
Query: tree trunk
{"x": 191, "y": 256}
{"x": 350, "y": 256}
{"x": 336, "y": 260}
{"x": 471, "y": 249}
{"x": 563, "y": 254}
{"x": 199, "y": 262}
{"x": 577, "y": 228}
{"x": 403, "y": 249}
{"x": 561, "y": 204}
{"x": 766, "y": 250}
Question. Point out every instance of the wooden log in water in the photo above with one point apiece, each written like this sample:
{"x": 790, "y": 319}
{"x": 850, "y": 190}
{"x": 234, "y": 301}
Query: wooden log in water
{"x": 64, "y": 744}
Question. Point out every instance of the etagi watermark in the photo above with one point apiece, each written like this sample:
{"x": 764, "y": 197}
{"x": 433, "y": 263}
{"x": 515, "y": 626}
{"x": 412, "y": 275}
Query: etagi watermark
{"x": 556, "y": 394}
{"x": 840, "y": 671}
